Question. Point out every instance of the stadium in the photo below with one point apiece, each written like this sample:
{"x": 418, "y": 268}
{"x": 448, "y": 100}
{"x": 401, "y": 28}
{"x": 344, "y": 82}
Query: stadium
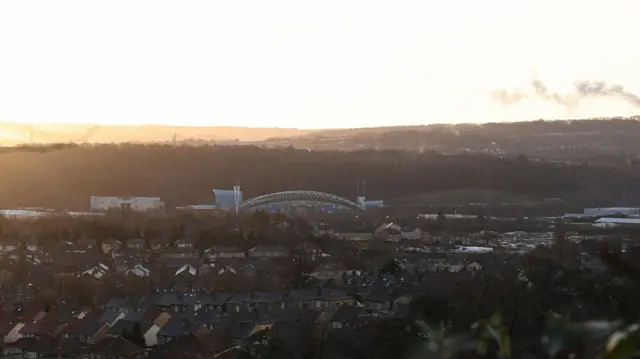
{"x": 289, "y": 201}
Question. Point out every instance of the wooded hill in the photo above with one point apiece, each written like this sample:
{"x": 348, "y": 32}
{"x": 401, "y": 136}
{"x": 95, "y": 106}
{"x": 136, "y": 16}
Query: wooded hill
{"x": 65, "y": 176}
{"x": 596, "y": 140}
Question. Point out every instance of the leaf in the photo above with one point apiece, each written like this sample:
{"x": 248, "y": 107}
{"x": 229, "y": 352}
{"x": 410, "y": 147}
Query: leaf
{"x": 620, "y": 346}
{"x": 494, "y": 334}
{"x": 423, "y": 327}
{"x": 505, "y": 344}
{"x": 482, "y": 348}
{"x": 495, "y": 319}
{"x": 459, "y": 343}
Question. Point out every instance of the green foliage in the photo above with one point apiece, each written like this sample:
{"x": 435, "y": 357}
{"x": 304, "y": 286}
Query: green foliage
{"x": 562, "y": 339}
{"x": 490, "y": 332}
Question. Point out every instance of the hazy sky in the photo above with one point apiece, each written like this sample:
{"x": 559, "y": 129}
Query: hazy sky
{"x": 308, "y": 64}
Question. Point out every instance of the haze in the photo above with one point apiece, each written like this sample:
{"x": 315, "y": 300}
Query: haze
{"x": 301, "y": 64}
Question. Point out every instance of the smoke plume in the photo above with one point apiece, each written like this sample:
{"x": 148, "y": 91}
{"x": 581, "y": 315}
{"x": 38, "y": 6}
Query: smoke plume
{"x": 582, "y": 90}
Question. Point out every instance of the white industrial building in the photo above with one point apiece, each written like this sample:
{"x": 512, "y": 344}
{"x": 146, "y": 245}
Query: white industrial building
{"x": 611, "y": 211}
{"x": 138, "y": 204}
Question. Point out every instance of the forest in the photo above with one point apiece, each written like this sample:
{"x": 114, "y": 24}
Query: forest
{"x": 603, "y": 141}
{"x": 66, "y": 175}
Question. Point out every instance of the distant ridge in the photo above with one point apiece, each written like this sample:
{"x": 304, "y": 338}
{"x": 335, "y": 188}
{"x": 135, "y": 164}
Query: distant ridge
{"x": 12, "y": 133}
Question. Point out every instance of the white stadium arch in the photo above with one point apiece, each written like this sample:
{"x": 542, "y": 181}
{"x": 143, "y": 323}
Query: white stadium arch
{"x": 300, "y": 198}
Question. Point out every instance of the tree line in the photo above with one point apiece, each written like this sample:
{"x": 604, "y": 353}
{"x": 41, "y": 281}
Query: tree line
{"x": 66, "y": 176}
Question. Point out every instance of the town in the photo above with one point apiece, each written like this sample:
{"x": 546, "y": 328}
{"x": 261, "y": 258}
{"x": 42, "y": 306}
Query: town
{"x": 302, "y": 274}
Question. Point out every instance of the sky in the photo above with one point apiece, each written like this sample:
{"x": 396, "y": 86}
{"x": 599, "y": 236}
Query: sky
{"x": 304, "y": 64}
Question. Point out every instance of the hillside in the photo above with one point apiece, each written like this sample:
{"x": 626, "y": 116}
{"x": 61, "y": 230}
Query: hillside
{"x": 599, "y": 140}
{"x": 17, "y": 133}
{"x": 65, "y": 177}
{"x": 596, "y": 141}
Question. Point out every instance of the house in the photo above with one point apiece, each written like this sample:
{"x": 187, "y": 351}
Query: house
{"x": 97, "y": 272}
{"x": 394, "y": 233}
{"x": 158, "y": 319}
{"x": 139, "y": 271}
{"x": 412, "y": 235}
{"x": 319, "y": 232}
{"x": 182, "y": 252}
{"x": 254, "y": 300}
{"x": 115, "y": 348}
{"x": 169, "y": 266}
{"x": 91, "y": 332}
{"x": 159, "y": 243}
{"x": 14, "y": 326}
{"x": 186, "y": 242}
{"x": 122, "y": 326}
{"x": 20, "y": 252}
{"x": 261, "y": 267}
{"x": 111, "y": 317}
{"x": 178, "y": 327}
{"x": 79, "y": 327}
{"x": 185, "y": 302}
{"x": 41, "y": 328}
{"x": 87, "y": 243}
{"x": 8, "y": 245}
{"x": 62, "y": 270}
{"x": 7, "y": 324}
{"x": 33, "y": 244}
{"x": 48, "y": 326}
{"x": 390, "y": 236}
{"x": 110, "y": 245}
{"x": 135, "y": 243}
{"x": 320, "y": 298}
{"x": 192, "y": 345}
{"x": 347, "y": 317}
{"x": 309, "y": 248}
{"x": 262, "y": 252}
{"x": 51, "y": 348}
{"x": 219, "y": 252}
{"x": 378, "y": 299}
{"x": 326, "y": 271}
{"x": 119, "y": 304}
{"x": 123, "y": 263}
{"x": 187, "y": 270}
{"x": 355, "y": 237}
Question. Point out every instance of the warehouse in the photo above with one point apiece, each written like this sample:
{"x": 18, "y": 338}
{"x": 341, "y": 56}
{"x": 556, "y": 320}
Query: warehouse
{"x": 137, "y": 204}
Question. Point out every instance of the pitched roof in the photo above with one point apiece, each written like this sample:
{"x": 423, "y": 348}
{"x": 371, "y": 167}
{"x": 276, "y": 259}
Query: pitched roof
{"x": 348, "y": 315}
{"x": 122, "y": 325}
{"x": 225, "y": 249}
{"x": 108, "y": 316}
{"x": 378, "y": 294}
{"x": 220, "y": 298}
{"x": 118, "y": 302}
{"x": 265, "y": 248}
{"x": 176, "y": 327}
{"x": 77, "y": 326}
{"x": 256, "y": 296}
{"x": 209, "y": 317}
{"x": 115, "y": 347}
{"x": 43, "y": 327}
{"x": 7, "y": 323}
{"x": 184, "y": 346}
{"x": 187, "y": 240}
{"x": 91, "y": 329}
